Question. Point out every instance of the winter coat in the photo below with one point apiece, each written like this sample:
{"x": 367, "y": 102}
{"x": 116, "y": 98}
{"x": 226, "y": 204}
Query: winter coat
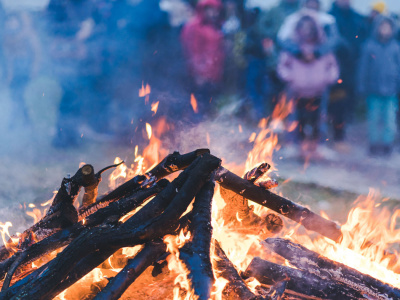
{"x": 286, "y": 33}
{"x": 353, "y": 32}
{"x": 203, "y": 45}
{"x": 379, "y": 68}
{"x": 308, "y": 79}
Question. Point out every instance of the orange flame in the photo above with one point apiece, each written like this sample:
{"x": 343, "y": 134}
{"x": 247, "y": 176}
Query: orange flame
{"x": 119, "y": 172}
{"x": 148, "y": 130}
{"x": 367, "y": 235}
{"x": 193, "y": 103}
{"x": 144, "y": 91}
{"x": 174, "y": 243}
{"x": 154, "y": 107}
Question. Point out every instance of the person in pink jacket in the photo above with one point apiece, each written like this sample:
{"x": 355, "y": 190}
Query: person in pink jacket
{"x": 203, "y": 46}
{"x": 307, "y": 78}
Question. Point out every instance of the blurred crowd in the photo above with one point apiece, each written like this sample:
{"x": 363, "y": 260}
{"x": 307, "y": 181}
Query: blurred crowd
{"x": 339, "y": 67}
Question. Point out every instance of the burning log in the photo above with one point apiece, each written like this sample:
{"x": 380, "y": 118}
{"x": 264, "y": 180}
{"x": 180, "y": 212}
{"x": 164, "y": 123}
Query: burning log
{"x": 65, "y": 236}
{"x": 86, "y": 177}
{"x": 172, "y": 163}
{"x": 136, "y": 266}
{"x": 237, "y": 207}
{"x": 196, "y": 254}
{"x": 325, "y": 268}
{"x": 278, "y": 289}
{"x": 256, "y": 173}
{"x": 136, "y": 230}
{"x": 235, "y": 288}
{"x": 281, "y": 205}
{"x": 104, "y": 228}
{"x": 62, "y": 213}
{"x": 114, "y": 210}
{"x": 299, "y": 281}
{"x": 91, "y": 183}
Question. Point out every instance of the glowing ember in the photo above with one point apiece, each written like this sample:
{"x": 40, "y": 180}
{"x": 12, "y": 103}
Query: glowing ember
{"x": 193, "y": 103}
{"x": 148, "y": 130}
{"x": 144, "y": 91}
{"x": 154, "y": 107}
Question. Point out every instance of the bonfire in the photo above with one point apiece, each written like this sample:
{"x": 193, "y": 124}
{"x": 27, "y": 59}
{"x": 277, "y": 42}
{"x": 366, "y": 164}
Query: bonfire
{"x": 185, "y": 226}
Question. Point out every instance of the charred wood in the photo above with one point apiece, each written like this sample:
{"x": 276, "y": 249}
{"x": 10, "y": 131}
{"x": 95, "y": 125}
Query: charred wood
{"x": 256, "y": 173}
{"x": 97, "y": 258}
{"x": 237, "y": 209}
{"x": 136, "y": 266}
{"x": 62, "y": 213}
{"x": 235, "y": 288}
{"x": 196, "y": 254}
{"x": 299, "y": 281}
{"x": 65, "y": 236}
{"x": 134, "y": 231}
{"x": 325, "y": 268}
{"x": 278, "y": 289}
{"x": 172, "y": 163}
{"x": 91, "y": 183}
{"x": 281, "y": 205}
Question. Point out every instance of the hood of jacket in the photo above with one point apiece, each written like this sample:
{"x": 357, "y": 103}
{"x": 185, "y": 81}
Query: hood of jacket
{"x": 203, "y": 4}
{"x": 313, "y": 16}
{"x": 377, "y": 23}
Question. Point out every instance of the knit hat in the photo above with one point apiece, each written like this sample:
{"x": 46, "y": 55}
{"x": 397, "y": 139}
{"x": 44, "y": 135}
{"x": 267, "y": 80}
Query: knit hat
{"x": 379, "y": 6}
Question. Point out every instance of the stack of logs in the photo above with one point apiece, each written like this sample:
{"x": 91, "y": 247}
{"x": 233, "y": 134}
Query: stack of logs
{"x": 88, "y": 236}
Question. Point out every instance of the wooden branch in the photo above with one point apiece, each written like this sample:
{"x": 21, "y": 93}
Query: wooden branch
{"x": 137, "y": 264}
{"x": 196, "y": 254}
{"x": 95, "y": 259}
{"x": 63, "y": 214}
{"x": 235, "y": 288}
{"x": 134, "y": 231}
{"x": 91, "y": 186}
{"x": 170, "y": 164}
{"x": 281, "y": 205}
{"x": 256, "y": 173}
{"x": 278, "y": 289}
{"x": 327, "y": 269}
{"x": 299, "y": 281}
{"x": 135, "y": 267}
{"x": 69, "y": 191}
{"x": 237, "y": 209}
{"x": 64, "y": 237}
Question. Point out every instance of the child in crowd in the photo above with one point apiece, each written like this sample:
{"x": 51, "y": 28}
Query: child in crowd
{"x": 378, "y": 80}
{"x": 307, "y": 78}
{"x": 203, "y": 45}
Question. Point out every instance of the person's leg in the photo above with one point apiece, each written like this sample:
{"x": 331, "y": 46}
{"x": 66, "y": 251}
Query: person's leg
{"x": 390, "y": 108}
{"x": 373, "y": 115}
{"x": 255, "y": 86}
{"x": 314, "y": 111}
{"x": 301, "y": 114}
{"x": 323, "y": 120}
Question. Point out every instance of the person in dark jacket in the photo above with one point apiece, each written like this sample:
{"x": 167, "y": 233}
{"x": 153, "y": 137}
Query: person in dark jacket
{"x": 262, "y": 59}
{"x": 272, "y": 20}
{"x": 379, "y": 81}
{"x": 66, "y": 51}
{"x": 377, "y": 8}
{"x": 353, "y": 32}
